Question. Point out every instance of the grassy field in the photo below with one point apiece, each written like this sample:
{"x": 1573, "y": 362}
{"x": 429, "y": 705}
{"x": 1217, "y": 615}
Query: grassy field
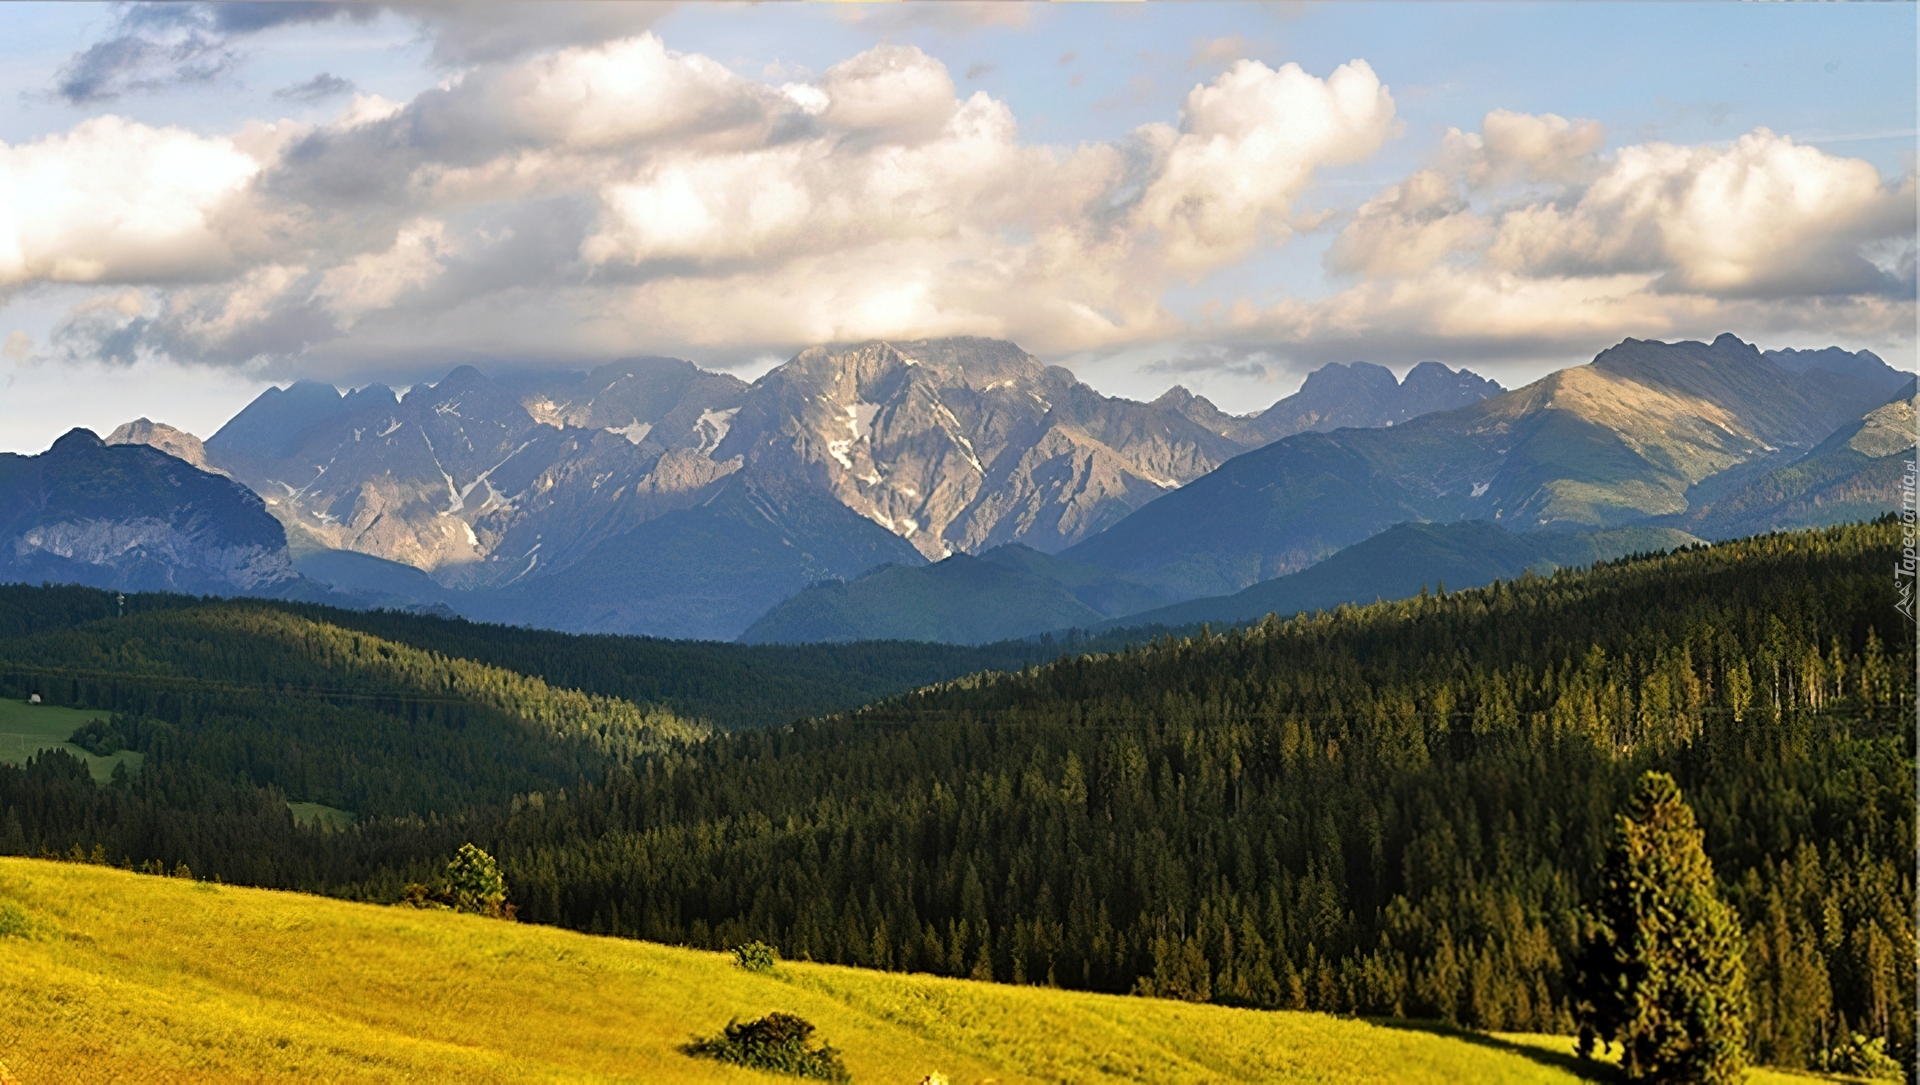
{"x": 26, "y": 729}
{"x": 312, "y": 813}
{"x": 113, "y": 976}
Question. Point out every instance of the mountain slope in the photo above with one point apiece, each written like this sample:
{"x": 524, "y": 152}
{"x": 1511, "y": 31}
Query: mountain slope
{"x": 1618, "y": 441}
{"x": 1007, "y": 592}
{"x": 961, "y": 600}
{"x": 1855, "y": 474}
{"x": 965, "y": 444}
{"x": 1407, "y": 559}
{"x": 218, "y": 983}
{"x": 376, "y": 580}
{"x": 731, "y": 686}
{"x": 1330, "y": 812}
{"x": 246, "y": 693}
{"x": 704, "y": 572}
{"x": 131, "y": 516}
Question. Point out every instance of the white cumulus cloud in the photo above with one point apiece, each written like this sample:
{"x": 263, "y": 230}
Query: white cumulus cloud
{"x": 1248, "y": 145}
{"x": 582, "y": 201}
{"x": 113, "y": 200}
{"x": 1526, "y": 240}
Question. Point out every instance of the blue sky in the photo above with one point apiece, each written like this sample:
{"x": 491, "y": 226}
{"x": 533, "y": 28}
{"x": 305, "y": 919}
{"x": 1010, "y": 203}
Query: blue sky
{"x": 1129, "y": 217}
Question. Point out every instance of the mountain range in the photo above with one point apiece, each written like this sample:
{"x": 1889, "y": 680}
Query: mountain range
{"x": 1617, "y": 441}
{"x": 651, "y": 496}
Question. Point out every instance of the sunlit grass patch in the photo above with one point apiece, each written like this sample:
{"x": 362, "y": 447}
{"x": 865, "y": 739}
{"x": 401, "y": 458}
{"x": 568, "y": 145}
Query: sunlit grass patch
{"x": 27, "y": 729}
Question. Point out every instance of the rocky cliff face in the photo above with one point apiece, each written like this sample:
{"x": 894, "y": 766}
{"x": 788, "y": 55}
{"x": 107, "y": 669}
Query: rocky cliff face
{"x": 177, "y": 443}
{"x": 953, "y": 445}
{"x": 964, "y": 444}
{"x": 131, "y": 516}
{"x": 459, "y": 478}
{"x": 949, "y": 446}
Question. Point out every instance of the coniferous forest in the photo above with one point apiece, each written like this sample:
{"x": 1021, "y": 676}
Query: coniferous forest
{"x": 1394, "y": 810}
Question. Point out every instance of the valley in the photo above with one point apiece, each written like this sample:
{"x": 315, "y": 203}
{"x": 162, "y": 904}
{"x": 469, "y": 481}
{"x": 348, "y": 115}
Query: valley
{"x": 988, "y": 688}
{"x": 1393, "y": 810}
{"x": 959, "y": 543}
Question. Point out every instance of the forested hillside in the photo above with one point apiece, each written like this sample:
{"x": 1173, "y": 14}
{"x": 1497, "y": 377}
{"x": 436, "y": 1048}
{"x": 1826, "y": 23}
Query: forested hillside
{"x": 1391, "y": 810}
{"x": 1396, "y": 809}
{"x": 727, "y": 685}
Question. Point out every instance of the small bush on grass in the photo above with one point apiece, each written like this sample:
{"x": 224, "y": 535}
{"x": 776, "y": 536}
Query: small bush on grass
{"x": 756, "y": 956}
{"x": 472, "y": 883}
{"x": 99, "y": 738}
{"x": 1867, "y": 1058}
{"x": 776, "y": 1042}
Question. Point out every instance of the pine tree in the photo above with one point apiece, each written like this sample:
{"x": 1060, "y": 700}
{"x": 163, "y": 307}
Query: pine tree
{"x": 1662, "y": 974}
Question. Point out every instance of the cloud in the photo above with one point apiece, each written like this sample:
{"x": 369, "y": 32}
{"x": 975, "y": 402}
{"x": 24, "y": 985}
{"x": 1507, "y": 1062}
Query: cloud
{"x": 946, "y": 16}
{"x": 1406, "y": 229}
{"x": 1765, "y": 217}
{"x": 106, "y": 328}
{"x": 1247, "y": 146}
{"x": 618, "y": 196}
{"x": 1525, "y": 241}
{"x": 592, "y": 200}
{"x": 319, "y": 88}
{"x": 1210, "y": 51}
{"x": 117, "y": 201}
{"x": 155, "y": 46}
{"x": 891, "y": 92}
{"x": 469, "y": 32}
{"x": 1219, "y": 359}
{"x": 133, "y": 62}
{"x": 1521, "y": 147}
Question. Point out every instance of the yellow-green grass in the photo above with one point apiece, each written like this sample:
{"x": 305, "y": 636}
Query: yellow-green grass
{"x": 1563, "y": 1046}
{"x": 312, "y": 813}
{"x": 132, "y": 978}
{"x": 26, "y": 729}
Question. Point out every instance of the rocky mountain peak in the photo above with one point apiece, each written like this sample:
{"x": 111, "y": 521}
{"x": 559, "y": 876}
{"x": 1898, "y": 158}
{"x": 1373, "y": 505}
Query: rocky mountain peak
{"x": 174, "y": 442}
{"x": 1431, "y": 386}
{"x": 272, "y": 424}
{"x": 1363, "y": 395}
{"x": 77, "y": 439}
{"x": 1778, "y": 407}
{"x": 129, "y": 515}
{"x": 965, "y": 443}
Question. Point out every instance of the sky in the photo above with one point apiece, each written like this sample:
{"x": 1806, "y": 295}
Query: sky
{"x": 200, "y": 200}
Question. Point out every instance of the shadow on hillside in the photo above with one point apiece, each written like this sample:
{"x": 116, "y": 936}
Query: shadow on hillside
{"x": 1585, "y": 1070}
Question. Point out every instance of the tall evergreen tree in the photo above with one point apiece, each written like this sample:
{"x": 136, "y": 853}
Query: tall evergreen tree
{"x": 1662, "y": 974}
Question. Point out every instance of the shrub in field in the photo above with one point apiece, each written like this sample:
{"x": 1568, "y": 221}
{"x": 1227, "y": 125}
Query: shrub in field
{"x": 99, "y": 738}
{"x": 756, "y": 956}
{"x": 472, "y": 883}
{"x": 1867, "y": 1058}
{"x": 777, "y": 1042}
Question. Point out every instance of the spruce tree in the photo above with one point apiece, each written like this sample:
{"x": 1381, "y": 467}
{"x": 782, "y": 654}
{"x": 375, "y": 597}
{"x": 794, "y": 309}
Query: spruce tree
{"x": 1662, "y": 973}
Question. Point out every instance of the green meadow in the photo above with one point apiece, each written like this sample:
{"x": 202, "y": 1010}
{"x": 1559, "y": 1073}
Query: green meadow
{"x": 27, "y": 729}
{"x": 134, "y": 978}
{"x": 312, "y": 813}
